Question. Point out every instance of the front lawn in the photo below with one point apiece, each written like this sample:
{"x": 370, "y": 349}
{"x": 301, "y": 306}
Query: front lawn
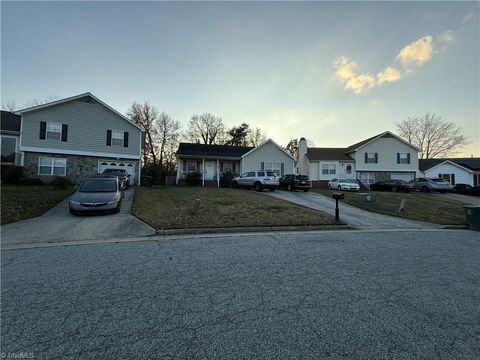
{"x": 198, "y": 207}
{"x": 418, "y": 206}
{"x": 25, "y": 202}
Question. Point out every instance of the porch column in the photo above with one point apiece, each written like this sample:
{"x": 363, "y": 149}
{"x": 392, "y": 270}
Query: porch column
{"x": 203, "y": 172}
{"x": 218, "y": 175}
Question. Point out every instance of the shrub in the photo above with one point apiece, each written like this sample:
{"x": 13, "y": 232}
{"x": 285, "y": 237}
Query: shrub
{"x": 61, "y": 183}
{"x": 12, "y": 175}
{"x": 193, "y": 179}
{"x": 34, "y": 182}
{"x": 226, "y": 179}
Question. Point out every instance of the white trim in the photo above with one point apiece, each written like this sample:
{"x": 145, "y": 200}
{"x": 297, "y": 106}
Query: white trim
{"x": 387, "y": 170}
{"x": 451, "y": 163}
{"x": 264, "y": 143}
{"x": 140, "y": 159}
{"x": 72, "y": 98}
{"x": 203, "y": 172}
{"x": 77, "y": 152}
{"x": 379, "y": 136}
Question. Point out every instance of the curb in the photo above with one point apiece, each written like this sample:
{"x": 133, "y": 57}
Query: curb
{"x": 259, "y": 229}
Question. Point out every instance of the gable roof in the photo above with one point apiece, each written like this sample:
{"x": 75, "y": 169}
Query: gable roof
{"x": 386, "y": 134}
{"x": 272, "y": 142}
{"x": 10, "y": 122}
{"x": 470, "y": 164}
{"x": 195, "y": 149}
{"x": 328, "y": 154}
{"x": 73, "y": 98}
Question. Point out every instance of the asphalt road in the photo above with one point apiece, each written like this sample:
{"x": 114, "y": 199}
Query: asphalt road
{"x": 324, "y": 295}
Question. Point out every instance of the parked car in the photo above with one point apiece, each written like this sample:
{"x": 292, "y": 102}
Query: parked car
{"x": 462, "y": 189}
{"x": 431, "y": 184}
{"x": 262, "y": 179}
{"x": 392, "y": 185}
{"x": 292, "y": 182}
{"x": 122, "y": 175}
{"x": 343, "y": 184}
{"x": 97, "y": 193}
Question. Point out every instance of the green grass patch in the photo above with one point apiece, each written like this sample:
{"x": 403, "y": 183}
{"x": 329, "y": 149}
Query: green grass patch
{"x": 25, "y": 202}
{"x": 418, "y": 206}
{"x": 198, "y": 207}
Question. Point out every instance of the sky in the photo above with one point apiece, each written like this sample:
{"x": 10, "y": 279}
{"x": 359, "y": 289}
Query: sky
{"x": 333, "y": 72}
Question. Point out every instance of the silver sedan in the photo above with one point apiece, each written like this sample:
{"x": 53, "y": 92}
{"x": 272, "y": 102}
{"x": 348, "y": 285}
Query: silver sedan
{"x": 97, "y": 193}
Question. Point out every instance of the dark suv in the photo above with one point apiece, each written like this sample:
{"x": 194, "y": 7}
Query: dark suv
{"x": 292, "y": 182}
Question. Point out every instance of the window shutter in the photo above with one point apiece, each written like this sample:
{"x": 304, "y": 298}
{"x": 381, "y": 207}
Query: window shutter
{"x": 43, "y": 130}
{"x": 197, "y": 169}
{"x": 125, "y": 139}
{"x": 282, "y": 169}
{"x": 366, "y": 158}
{"x": 221, "y": 166}
{"x": 109, "y": 137}
{"x": 184, "y": 166}
{"x": 233, "y": 167}
{"x": 408, "y": 158}
{"x": 398, "y": 158}
{"x": 453, "y": 179}
{"x": 376, "y": 158}
{"x": 262, "y": 165}
{"x": 64, "y": 132}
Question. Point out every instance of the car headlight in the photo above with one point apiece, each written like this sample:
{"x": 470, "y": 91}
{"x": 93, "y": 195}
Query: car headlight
{"x": 112, "y": 202}
{"x": 74, "y": 202}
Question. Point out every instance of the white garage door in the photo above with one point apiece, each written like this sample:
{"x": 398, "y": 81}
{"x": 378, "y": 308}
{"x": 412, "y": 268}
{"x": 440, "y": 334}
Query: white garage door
{"x": 109, "y": 164}
{"x": 402, "y": 176}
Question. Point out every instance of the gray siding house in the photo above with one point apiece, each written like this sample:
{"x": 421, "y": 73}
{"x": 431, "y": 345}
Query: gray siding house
{"x": 78, "y": 137}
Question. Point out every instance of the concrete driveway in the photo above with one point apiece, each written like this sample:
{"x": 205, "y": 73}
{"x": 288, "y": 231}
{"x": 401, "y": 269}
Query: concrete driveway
{"x": 58, "y": 224}
{"x": 358, "y": 218}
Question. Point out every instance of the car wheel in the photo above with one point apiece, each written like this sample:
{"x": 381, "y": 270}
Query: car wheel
{"x": 271, "y": 189}
{"x": 394, "y": 189}
{"x": 258, "y": 186}
{"x": 72, "y": 212}
{"x": 424, "y": 189}
{"x": 289, "y": 187}
{"x": 305, "y": 190}
{"x": 235, "y": 185}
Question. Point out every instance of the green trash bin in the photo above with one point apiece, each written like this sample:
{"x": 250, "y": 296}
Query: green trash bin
{"x": 472, "y": 213}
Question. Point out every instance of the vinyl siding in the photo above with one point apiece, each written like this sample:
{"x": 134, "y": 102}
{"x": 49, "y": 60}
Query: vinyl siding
{"x": 461, "y": 176}
{"x": 267, "y": 152}
{"x": 387, "y": 149}
{"x": 87, "y": 128}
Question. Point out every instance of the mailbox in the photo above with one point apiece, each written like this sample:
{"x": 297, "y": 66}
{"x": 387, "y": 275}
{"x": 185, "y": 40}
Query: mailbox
{"x": 337, "y": 195}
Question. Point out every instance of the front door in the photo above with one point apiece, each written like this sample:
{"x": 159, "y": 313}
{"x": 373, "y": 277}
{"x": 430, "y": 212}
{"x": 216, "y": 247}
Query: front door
{"x": 210, "y": 170}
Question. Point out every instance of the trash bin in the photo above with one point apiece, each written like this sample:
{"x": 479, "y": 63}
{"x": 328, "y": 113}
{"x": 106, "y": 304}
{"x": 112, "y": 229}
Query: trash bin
{"x": 366, "y": 197}
{"x": 146, "y": 181}
{"x": 472, "y": 213}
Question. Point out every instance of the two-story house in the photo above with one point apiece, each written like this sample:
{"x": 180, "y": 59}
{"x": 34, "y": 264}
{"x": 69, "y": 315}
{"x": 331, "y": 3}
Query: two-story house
{"x": 78, "y": 137}
{"x": 382, "y": 157}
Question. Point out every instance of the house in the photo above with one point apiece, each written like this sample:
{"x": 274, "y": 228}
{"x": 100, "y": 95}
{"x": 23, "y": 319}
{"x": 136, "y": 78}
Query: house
{"x": 10, "y": 133}
{"x": 212, "y": 161}
{"x": 454, "y": 170}
{"x": 78, "y": 137}
{"x": 381, "y": 157}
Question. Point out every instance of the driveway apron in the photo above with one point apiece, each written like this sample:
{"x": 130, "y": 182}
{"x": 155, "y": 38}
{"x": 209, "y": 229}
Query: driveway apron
{"x": 58, "y": 224}
{"x": 358, "y": 218}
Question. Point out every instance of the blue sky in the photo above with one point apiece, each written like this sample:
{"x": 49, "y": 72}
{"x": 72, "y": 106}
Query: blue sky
{"x": 335, "y": 73}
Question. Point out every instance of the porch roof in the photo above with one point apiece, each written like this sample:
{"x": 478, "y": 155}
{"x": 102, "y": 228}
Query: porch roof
{"x": 212, "y": 151}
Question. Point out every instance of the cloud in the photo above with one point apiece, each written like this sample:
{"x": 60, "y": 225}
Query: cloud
{"x": 418, "y": 52}
{"x": 445, "y": 37}
{"x": 358, "y": 83}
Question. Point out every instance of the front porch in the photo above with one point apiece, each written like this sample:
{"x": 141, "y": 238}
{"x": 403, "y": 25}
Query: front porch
{"x": 211, "y": 170}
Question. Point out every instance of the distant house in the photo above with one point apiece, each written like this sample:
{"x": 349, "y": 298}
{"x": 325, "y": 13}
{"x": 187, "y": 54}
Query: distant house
{"x": 10, "y": 133}
{"x": 213, "y": 161}
{"x": 78, "y": 137}
{"x": 381, "y": 157}
{"x": 454, "y": 170}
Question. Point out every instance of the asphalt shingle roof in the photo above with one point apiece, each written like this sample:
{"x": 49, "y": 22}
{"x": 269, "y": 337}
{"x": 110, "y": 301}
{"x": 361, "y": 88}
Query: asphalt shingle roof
{"x": 328, "y": 154}
{"x": 472, "y": 163}
{"x": 212, "y": 150}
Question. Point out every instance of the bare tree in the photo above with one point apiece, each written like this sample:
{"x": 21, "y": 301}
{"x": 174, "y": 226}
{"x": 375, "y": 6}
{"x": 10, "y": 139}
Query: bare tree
{"x": 145, "y": 116}
{"x": 206, "y": 129}
{"x": 255, "y": 137}
{"x": 434, "y": 136}
{"x": 10, "y": 106}
{"x": 168, "y": 131}
{"x": 292, "y": 147}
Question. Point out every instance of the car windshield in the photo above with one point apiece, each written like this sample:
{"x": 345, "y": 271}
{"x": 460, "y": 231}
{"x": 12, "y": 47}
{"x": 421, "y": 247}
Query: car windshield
{"x": 301, "y": 177}
{"x": 114, "y": 172}
{"x": 346, "y": 181}
{"x": 99, "y": 185}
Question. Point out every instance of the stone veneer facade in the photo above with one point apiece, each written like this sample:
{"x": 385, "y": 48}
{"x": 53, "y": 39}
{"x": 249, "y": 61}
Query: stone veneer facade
{"x": 78, "y": 167}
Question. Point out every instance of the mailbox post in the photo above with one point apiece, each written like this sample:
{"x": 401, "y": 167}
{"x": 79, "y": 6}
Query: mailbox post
{"x": 337, "y": 196}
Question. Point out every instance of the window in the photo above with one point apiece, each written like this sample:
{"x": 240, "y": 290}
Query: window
{"x": 52, "y": 166}
{"x": 349, "y": 169}
{"x": 191, "y": 166}
{"x": 227, "y": 166}
{"x": 403, "y": 158}
{"x": 261, "y": 173}
{"x": 251, "y": 174}
{"x": 329, "y": 169}
{"x": 117, "y": 138}
{"x": 448, "y": 177}
{"x": 9, "y": 147}
{"x": 371, "y": 158}
{"x": 54, "y": 131}
{"x": 476, "y": 179}
{"x": 273, "y": 166}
